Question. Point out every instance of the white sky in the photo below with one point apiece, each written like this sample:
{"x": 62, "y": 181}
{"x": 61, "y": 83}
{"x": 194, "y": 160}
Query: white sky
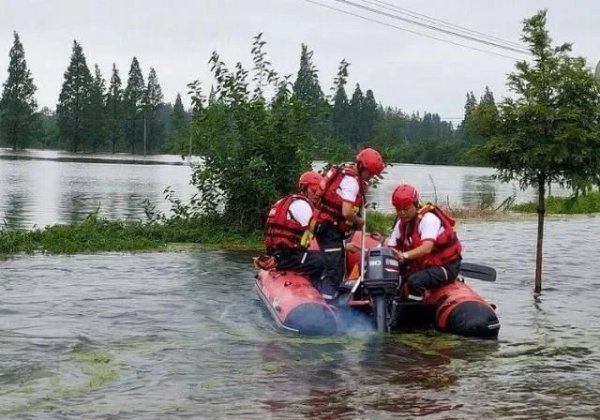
{"x": 177, "y": 37}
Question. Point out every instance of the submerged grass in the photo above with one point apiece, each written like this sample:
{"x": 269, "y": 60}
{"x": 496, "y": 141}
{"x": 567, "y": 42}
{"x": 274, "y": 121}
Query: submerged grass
{"x": 95, "y": 235}
{"x": 583, "y": 204}
{"x": 97, "y": 365}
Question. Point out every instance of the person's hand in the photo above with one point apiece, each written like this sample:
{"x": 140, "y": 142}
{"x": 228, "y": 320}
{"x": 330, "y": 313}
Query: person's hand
{"x": 350, "y": 247}
{"x": 264, "y": 262}
{"x": 377, "y": 236}
{"x": 400, "y": 255}
{"x": 358, "y": 223}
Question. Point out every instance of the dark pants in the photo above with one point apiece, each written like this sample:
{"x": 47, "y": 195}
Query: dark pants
{"x": 331, "y": 243}
{"x": 309, "y": 263}
{"x": 430, "y": 278}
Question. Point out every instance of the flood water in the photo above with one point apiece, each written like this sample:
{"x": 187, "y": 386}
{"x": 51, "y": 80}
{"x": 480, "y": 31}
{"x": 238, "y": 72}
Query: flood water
{"x": 47, "y": 187}
{"x": 183, "y": 335}
{"x": 165, "y": 335}
{"x": 39, "y": 188}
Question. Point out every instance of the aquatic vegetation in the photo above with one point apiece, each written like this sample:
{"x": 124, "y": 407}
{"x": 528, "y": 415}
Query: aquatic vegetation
{"x": 582, "y": 204}
{"x": 435, "y": 344}
{"x": 274, "y": 367}
{"x": 96, "y": 235}
{"x": 97, "y": 365}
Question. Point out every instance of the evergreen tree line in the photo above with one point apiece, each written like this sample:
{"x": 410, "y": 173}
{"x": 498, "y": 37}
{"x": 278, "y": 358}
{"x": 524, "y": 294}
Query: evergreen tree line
{"x": 340, "y": 124}
{"x": 91, "y": 115}
{"x": 94, "y": 114}
{"x": 255, "y": 147}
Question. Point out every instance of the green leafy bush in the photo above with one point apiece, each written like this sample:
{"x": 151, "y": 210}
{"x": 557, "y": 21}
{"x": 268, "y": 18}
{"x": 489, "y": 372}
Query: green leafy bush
{"x": 580, "y": 204}
{"x": 253, "y": 150}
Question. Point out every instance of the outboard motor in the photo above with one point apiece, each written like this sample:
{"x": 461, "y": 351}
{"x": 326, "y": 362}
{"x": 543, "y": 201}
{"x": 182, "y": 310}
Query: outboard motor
{"x": 382, "y": 279}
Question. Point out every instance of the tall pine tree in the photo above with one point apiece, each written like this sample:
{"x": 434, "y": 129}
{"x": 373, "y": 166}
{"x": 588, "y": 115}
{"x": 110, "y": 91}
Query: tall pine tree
{"x": 488, "y": 97}
{"x": 307, "y": 89}
{"x": 74, "y": 102}
{"x": 133, "y": 100}
{"x": 356, "y": 122}
{"x": 370, "y": 112}
{"x": 481, "y": 122}
{"x": 340, "y": 113}
{"x": 96, "y": 112}
{"x": 153, "y": 101}
{"x": 470, "y": 104}
{"x": 179, "y": 133}
{"x": 17, "y": 105}
{"x": 114, "y": 111}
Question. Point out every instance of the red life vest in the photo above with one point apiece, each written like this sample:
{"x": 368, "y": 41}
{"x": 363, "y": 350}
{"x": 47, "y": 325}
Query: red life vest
{"x": 446, "y": 247}
{"x": 281, "y": 231}
{"x": 329, "y": 207}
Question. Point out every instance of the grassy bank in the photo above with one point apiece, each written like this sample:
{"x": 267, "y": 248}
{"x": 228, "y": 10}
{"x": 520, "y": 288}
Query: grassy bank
{"x": 95, "y": 235}
{"x": 586, "y": 204}
{"x": 98, "y": 235}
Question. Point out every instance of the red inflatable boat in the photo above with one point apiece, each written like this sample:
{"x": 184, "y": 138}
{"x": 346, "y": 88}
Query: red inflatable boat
{"x": 298, "y": 307}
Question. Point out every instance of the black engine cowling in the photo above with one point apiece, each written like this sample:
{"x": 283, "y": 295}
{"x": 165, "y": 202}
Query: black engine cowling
{"x": 382, "y": 274}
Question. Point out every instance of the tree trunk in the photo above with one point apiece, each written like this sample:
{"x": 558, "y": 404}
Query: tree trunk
{"x": 541, "y": 210}
{"x": 15, "y": 142}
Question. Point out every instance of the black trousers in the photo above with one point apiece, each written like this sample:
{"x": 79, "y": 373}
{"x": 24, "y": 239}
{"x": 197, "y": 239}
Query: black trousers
{"x": 430, "y": 278}
{"x": 331, "y": 243}
{"x": 309, "y": 263}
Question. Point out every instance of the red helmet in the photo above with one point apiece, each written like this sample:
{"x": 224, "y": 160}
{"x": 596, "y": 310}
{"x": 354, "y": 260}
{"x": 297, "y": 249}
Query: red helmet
{"x": 405, "y": 195}
{"x": 371, "y": 160}
{"x": 310, "y": 180}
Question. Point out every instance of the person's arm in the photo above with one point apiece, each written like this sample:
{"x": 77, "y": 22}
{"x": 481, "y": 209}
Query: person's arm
{"x": 302, "y": 212}
{"x": 392, "y": 240}
{"x": 429, "y": 229}
{"x": 349, "y": 190}
{"x": 349, "y": 213}
{"x": 424, "y": 249}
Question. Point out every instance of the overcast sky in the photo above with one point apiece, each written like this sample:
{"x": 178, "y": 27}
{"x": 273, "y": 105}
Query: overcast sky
{"x": 404, "y": 70}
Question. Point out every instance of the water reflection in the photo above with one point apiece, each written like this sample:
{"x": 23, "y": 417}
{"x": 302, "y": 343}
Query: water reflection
{"x": 13, "y": 212}
{"x": 58, "y": 187}
{"x": 63, "y": 191}
{"x": 478, "y": 191}
{"x": 73, "y": 206}
{"x": 454, "y": 185}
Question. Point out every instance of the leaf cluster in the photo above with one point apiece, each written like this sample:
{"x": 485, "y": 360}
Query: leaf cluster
{"x": 253, "y": 151}
{"x": 550, "y": 131}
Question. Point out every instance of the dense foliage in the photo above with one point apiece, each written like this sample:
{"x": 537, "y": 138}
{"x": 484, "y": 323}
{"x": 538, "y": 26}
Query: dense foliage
{"x": 74, "y": 110}
{"x": 123, "y": 115}
{"x": 550, "y": 131}
{"x": 253, "y": 150}
{"x": 17, "y": 104}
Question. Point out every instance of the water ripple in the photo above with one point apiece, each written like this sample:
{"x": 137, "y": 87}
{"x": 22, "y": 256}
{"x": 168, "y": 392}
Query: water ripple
{"x": 176, "y": 335}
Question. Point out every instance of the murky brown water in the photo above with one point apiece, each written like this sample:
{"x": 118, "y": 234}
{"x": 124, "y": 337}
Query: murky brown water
{"x": 182, "y": 335}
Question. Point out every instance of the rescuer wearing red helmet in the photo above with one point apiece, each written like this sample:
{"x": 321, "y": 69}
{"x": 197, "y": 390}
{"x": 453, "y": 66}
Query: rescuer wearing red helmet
{"x": 425, "y": 241}
{"x": 287, "y": 227}
{"x": 343, "y": 193}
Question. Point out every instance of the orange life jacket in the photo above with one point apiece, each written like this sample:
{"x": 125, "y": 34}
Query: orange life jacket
{"x": 329, "y": 206}
{"x": 281, "y": 231}
{"x": 446, "y": 247}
